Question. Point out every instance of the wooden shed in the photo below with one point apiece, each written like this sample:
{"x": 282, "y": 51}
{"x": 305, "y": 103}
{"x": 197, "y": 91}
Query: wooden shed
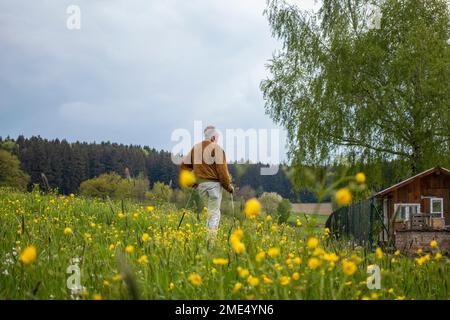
{"x": 422, "y": 201}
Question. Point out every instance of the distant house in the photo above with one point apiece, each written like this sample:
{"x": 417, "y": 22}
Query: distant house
{"x": 418, "y": 210}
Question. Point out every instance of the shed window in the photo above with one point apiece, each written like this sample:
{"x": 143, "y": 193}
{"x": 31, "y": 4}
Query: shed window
{"x": 406, "y": 210}
{"x": 437, "y": 207}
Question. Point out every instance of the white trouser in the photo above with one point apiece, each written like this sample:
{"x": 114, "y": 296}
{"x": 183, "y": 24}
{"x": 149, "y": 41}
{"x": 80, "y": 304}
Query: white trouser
{"x": 214, "y": 192}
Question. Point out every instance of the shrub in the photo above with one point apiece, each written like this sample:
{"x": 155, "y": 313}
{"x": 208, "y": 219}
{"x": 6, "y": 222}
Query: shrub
{"x": 284, "y": 210}
{"x": 270, "y": 201}
{"x": 160, "y": 192}
{"x": 10, "y": 173}
{"x": 108, "y": 184}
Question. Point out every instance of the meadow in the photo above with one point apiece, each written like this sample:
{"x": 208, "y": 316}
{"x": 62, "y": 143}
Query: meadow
{"x": 136, "y": 251}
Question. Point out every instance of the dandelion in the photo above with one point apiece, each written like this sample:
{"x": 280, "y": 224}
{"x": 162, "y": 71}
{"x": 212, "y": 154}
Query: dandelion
{"x": 400, "y": 298}
{"x": 150, "y": 209}
{"x": 331, "y": 257}
{"x": 106, "y": 283}
{"x": 220, "y": 261}
{"x": 237, "y": 287}
{"x": 145, "y": 237}
{"x": 438, "y": 256}
{"x": 379, "y": 253}
{"x": 171, "y": 286}
{"x": 187, "y": 179}
{"x": 314, "y": 263}
{"x": 397, "y": 253}
{"x": 72, "y": 195}
{"x": 97, "y": 297}
{"x": 67, "y": 231}
{"x": 295, "y": 276}
{"x": 312, "y": 243}
{"x": 117, "y": 277}
{"x": 260, "y": 256}
{"x": 433, "y": 244}
{"x": 298, "y": 260}
{"x": 360, "y": 178}
{"x": 266, "y": 279}
{"x": 326, "y": 232}
{"x": 238, "y": 247}
{"x": 348, "y": 267}
{"x": 195, "y": 279}
{"x": 252, "y": 208}
{"x": 284, "y": 280}
{"x": 391, "y": 290}
{"x": 273, "y": 252}
{"x": 243, "y": 273}
{"x": 343, "y": 197}
{"x": 143, "y": 259}
{"x": 253, "y": 281}
{"x": 28, "y": 255}
{"x": 129, "y": 249}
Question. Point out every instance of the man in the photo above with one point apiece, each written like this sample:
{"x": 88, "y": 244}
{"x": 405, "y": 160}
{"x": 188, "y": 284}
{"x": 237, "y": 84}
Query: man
{"x": 208, "y": 162}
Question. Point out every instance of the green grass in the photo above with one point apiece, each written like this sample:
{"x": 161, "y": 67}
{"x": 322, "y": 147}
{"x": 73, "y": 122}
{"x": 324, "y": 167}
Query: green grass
{"x": 162, "y": 266}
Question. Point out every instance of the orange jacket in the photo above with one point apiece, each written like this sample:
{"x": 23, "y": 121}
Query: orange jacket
{"x": 208, "y": 161}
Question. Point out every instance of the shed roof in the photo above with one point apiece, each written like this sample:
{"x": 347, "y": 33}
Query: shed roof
{"x": 409, "y": 180}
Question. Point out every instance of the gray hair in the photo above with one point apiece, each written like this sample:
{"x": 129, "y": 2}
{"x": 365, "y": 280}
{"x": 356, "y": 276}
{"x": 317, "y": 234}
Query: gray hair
{"x": 210, "y": 131}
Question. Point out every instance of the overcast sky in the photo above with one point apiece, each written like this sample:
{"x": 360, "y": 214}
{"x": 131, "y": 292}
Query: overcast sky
{"x": 135, "y": 71}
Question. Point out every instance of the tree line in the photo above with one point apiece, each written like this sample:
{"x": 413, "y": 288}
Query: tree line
{"x": 66, "y": 165}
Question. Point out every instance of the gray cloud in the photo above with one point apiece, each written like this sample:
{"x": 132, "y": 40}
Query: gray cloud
{"x": 135, "y": 71}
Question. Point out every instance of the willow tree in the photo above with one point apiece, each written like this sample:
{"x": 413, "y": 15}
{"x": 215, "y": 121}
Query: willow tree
{"x": 345, "y": 85}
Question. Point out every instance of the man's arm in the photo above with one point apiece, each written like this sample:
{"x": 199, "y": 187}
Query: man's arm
{"x": 222, "y": 171}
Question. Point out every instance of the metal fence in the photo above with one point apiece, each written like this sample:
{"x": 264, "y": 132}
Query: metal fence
{"x": 360, "y": 223}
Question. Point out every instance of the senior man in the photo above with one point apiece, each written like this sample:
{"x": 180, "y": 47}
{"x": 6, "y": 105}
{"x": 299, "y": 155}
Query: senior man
{"x": 208, "y": 162}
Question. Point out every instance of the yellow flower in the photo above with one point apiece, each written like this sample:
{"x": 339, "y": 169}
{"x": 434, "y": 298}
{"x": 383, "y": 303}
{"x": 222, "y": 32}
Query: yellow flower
{"x": 150, "y": 209}
{"x": 238, "y": 247}
{"x": 266, "y": 279}
{"x": 129, "y": 249}
{"x": 252, "y": 208}
{"x": 433, "y": 244}
{"x": 28, "y": 255}
{"x": 260, "y": 256}
{"x": 220, "y": 261}
{"x": 348, "y": 267}
{"x": 391, "y": 290}
{"x": 97, "y": 297}
{"x": 273, "y": 252}
{"x": 400, "y": 298}
{"x": 67, "y": 230}
{"x": 312, "y": 243}
{"x": 243, "y": 273}
{"x": 295, "y": 276}
{"x": 298, "y": 260}
{"x": 253, "y": 281}
{"x": 237, "y": 287}
{"x": 284, "y": 280}
{"x": 195, "y": 279}
{"x": 438, "y": 256}
{"x": 326, "y": 232}
{"x": 143, "y": 259}
{"x": 314, "y": 263}
{"x": 397, "y": 253}
{"x": 343, "y": 197}
{"x": 360, "y": 178}
{"x": 72, "y": 195}
{"x": 330, "y": 257}
{"x": 379, "y": 253}
{"x": 187, "y": 179}
{"x": 106, "y": 283}
{"x": 419, "y": 251}
{"x": 145, "y": 237}
{"x": 171, "y": 286}
{"x": 117, "y": 277}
